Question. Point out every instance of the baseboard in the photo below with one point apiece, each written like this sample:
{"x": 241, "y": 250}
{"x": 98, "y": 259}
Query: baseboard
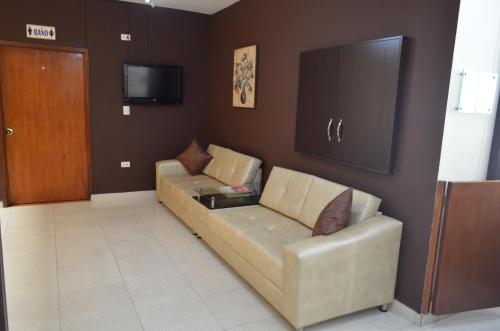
{"x": 123, "y": 196}
{"x": 417, "y": 319}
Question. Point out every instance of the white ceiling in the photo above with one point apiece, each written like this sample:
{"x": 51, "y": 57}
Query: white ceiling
{"x": 199, "y": 6}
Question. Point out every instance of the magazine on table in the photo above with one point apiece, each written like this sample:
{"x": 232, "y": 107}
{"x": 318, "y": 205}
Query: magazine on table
{"x": 237, "y": 190}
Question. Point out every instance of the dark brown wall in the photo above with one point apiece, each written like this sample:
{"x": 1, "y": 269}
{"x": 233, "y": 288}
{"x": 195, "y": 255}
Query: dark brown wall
{"x": 151, "y": 133}
{"x": 162, "y": 36}
{"x": 68, "y": 16}
{"x": 283, "y": 28}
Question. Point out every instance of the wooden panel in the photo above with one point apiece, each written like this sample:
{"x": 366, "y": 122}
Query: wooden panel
{"x": 368, "y": 83}
{"x": 356, "y": 86}
{"x": 44, "y": 100}
{"x": 3, "y": 161}
{"x": 433, "y": 246}
{"x": 318, "y": 79}
{"x": 468, "y": 269}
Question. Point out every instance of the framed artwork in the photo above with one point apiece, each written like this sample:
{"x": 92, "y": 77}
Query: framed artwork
{"x": 244, "y": 77}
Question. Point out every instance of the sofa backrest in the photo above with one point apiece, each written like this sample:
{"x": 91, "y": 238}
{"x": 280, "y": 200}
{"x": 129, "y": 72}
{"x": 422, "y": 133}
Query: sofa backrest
{"x": 230, "y": 167}
{"x": 322, "y": 191}
{"x": 286, "y": 191}
{"x": 302, "y": 197}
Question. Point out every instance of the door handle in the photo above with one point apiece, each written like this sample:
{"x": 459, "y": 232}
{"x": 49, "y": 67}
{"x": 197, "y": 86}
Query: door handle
{"x": 9, "y": 131}
{"x": 328, "y": 130}
{"x": 340, "y": 130}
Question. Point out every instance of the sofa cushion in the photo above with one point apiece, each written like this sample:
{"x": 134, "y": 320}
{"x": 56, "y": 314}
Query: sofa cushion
{"x": 181, "y": 187}
{"x": 322, "y": 191}
{"x": 215, "y": 165}
{"x": 335, "y": 215}
{"x": 194, "y": 158}
{"x": 286, "y": 191}
{"x": 187, "y": 183}
{"x": 230, "y": 167}
{"x": 258, "y": 235}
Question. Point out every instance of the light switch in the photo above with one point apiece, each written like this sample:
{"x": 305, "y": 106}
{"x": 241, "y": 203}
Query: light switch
{"x": 126, "y": 37}
{"x": 125, "y": 164}
{"x": 126, "y": 110}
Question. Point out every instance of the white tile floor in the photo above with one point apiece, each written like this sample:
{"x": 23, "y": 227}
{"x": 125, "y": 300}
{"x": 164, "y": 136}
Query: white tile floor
{"x": 124, "y": 262}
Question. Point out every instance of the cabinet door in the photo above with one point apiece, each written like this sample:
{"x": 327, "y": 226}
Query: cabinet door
{"x": 315, "y": 111}
{"x": 366, "y": 103}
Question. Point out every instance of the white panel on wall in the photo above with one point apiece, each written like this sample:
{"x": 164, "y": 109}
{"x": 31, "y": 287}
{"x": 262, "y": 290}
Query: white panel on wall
{"x": 477, "y": 92}
{"x": 467, "y": 137}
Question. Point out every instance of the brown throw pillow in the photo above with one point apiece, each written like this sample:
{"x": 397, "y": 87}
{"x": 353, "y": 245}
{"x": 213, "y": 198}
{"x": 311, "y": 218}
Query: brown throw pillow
{"x": 335, "y": 215}
{"x": 194, "y": 158}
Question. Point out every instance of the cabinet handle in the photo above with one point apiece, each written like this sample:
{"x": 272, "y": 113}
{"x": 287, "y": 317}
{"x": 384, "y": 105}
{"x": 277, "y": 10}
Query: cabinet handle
{"x": 340, "y": 130}
{"x": 328, "y": 129}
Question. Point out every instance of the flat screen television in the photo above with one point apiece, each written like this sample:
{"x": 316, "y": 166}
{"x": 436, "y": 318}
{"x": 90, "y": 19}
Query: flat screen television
{"x": 152, "y": 84}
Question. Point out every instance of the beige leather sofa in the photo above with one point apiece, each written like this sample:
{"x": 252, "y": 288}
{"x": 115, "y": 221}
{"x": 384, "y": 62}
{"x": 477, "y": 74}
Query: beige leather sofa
{"x": 307, "y": 279}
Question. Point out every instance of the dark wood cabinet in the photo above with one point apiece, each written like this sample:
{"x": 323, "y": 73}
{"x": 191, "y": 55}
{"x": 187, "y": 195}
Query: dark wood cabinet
{"x": 347, "y": 103}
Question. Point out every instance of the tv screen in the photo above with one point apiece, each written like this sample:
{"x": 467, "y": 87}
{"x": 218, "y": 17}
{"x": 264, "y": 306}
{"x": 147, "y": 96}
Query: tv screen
{"x": 152, "y": 84}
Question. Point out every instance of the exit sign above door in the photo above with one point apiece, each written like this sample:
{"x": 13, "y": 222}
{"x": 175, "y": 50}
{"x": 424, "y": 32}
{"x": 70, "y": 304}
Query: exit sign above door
{"x": 40, "y": 32}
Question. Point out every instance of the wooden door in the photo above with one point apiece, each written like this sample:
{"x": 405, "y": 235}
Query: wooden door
{"x": 467, "y": 274}
{"x": 44, "y": 102}
{"x": 368, "y": 83}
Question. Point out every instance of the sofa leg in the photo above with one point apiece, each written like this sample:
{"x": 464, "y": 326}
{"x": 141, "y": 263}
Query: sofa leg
{"x": 384, "y": 308}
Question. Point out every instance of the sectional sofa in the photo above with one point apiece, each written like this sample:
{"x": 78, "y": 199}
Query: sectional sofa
{"x": 307, "y": 279}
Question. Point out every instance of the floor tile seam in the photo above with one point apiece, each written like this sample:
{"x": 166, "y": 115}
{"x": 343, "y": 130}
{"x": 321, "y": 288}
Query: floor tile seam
{"x": 158, "y": 242}
{"x": 205, "y": 246}
{"x": 202, "y": 297}
{"x": 7, "y": 221}
{"x": 57, "y": 268}
{"x": 168, "y": 255}
{"x": 257, "y": 321}
{"x": 188, "y": 281}
{"x": 211, "y": 312}
{"x": 121, "y": 274}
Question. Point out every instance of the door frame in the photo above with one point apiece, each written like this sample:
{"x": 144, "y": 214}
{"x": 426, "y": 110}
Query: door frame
{"x": 4, "y": 179}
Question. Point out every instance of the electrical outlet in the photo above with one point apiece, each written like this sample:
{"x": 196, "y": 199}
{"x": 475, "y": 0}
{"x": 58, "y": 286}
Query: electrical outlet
{"x": 125, "y": 164}
{"x": 126, "y": 110}
{"x": 126, "y": 37}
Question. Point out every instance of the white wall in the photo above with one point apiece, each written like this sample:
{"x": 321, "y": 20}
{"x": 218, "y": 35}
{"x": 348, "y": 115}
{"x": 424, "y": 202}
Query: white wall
{"x": 467, "y": 137}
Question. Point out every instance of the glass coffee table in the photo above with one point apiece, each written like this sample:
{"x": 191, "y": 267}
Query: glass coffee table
{"x": 222, "y": 197}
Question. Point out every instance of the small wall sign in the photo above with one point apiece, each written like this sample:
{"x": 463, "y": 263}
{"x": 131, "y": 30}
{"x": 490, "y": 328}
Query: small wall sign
{"x": 40, "y": 32}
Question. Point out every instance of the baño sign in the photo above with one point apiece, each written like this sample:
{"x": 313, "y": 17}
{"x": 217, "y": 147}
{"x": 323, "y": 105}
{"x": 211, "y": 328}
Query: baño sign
{"x": 40, "y": 32}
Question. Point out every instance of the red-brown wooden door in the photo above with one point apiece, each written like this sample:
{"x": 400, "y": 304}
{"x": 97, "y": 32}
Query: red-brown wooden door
{"x": 45, "y": 116}
{"x": 467, "y": 275}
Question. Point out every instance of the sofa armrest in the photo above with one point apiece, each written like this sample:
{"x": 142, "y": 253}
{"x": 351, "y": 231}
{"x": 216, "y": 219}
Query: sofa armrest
{"x": 168, "y": 167}
{"x": 353, "y": 269}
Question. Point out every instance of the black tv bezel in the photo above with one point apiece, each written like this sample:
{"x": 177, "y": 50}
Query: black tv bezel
{"x": 151, "y": 101}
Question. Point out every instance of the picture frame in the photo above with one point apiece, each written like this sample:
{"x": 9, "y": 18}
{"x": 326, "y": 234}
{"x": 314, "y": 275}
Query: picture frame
{"x": 245, "y": 77}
